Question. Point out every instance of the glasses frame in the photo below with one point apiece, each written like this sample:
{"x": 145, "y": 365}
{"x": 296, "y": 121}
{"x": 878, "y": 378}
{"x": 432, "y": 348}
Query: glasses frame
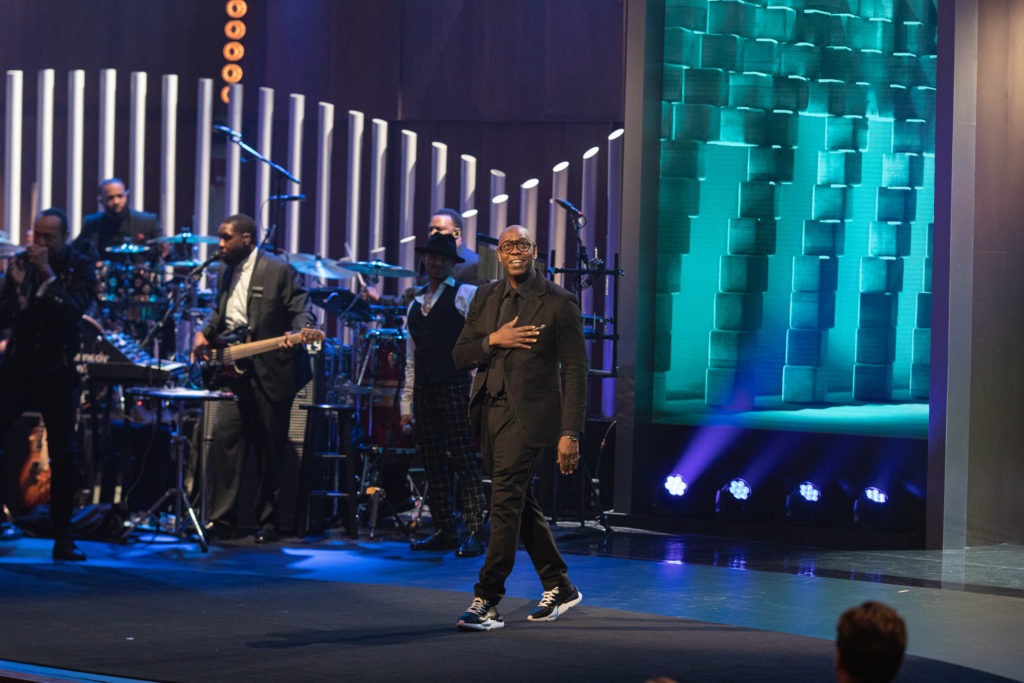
{"x": 510, "y": 246}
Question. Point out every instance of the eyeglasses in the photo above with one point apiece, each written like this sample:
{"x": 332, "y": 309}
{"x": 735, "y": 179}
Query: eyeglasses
{"x": 514, "y": 245}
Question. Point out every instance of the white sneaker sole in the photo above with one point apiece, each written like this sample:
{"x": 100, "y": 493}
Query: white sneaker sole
{"x": 486, "y": 626}
{"x": 561, "y": 609}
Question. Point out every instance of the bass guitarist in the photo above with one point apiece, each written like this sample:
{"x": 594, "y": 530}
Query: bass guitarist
{"x": 262, "y": 294}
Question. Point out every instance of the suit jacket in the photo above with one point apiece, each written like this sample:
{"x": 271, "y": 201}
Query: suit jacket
{"x": 533, "y": 377}
{"x": 138, "y": 227}
{"x": 277, "y": 304}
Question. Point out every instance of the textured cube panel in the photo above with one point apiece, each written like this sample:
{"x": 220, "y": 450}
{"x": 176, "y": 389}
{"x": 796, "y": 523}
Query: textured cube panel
{"x": 760, "y": 55}
{"x": 804, "y": 384}
{"x": 909, "y": 137}
{"x": 667, "y": 119}
{"x": 742, "y": 127}
{"x": 691, "y": 14}
{"x": 876, "y": 9}
{"x": 675, "y": 41}
{"x": 673, "y": 234}
{"x": 905, "y": 69}
{"x": 875, "y": 345}
{"x": 872, "y": 382}
{"x": 926, "y": 275}
{"x": 881, "y": 274}
{"x": 878, "y": 310}
{"x": 831, "y": 203}
{"x": 846, "y": 134}
{"x": 920, "y": 380}
{"x": 824, "y": 238}
{"x": 806, "y": 347}
{"x": 663, "y": 352}
{"x": 916, "y": 11}
{"x": 915, "y": 38}
{"x": 696, "y": 122}
{"x": 743, "y": 273}
{"x": 719, "y": 51}
{"x": 663, "y": 305}
{"x": 776, "y": 23}
{"x": 904, "y": 104}
{"x": 735, "y": 311}
{"x": 751, "y": 236}
{"x": 789, "y": 94}
{"x": 819, "y": 28}
{"x": 802, "y": 60}
{"x": 864, "y": 34}
{"x": 837, "y": 64}
{"x": 781, "y": 129}
{"x": 889, "y": 239}
{"x": 928, "y": 64}
{"x": 728, "y": 349}
{"x": 923, "y": 312}
{"x": 720, "y": 390}
{"x": 930, "y": 229}
{"x": 669, "y": 270}
{"x": 903, "y": 170}
{"x": 679, "y": 197}
{"x": 758, "y": 199}
{"x": 847, "y": 99}
{"x": 839, "y": 168}
{"x": 921, "y": 345}
{"x": 872, "y": 67}
{"x": 815, "y": 274}
{"x": 706, "y": 86}
{"x": 812, "y": 310}
{"x": 896, "y": 204}
{"x": 672, "y": 83}
{"x": 773, "y": 164}
{"x": 683, "y": 159}
{"x": 752, "y": 90}
{"x": 731, "y": 16}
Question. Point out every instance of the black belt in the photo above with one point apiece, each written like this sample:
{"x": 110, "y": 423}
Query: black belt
{"x": 499, "y": 400}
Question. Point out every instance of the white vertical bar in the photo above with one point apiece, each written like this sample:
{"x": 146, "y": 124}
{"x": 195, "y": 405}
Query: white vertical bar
{"x": 264, "y": 142}
{"x": 469, "y": 227}
{"x": 108, "y": 117}
{"x": 296, "y": 117}
{"x": 76, "y": 145}
{"x": 438, "y": 174}
{"x": 169, "y": 150}
{"x": 407, "y": 190}
{"x": 614, "y": 231}
{"x": 557, "y": 223}
{"x": 355, "y": 156}
{"x": 588, "y": 205}
{"x": 233, "y": 154}
{"x": 325, "y": 148}
{"x": 378, "y": 166}
{"x": 499, "y": 215}
{"x": 204, "y": 132}
{"x": 137, "y": 146}
{"x": 44, "y": 140}
{"x": 497, "y": 182}
{"x": 467, "y": 198}
{"x": 528, "y": 197}
{"x": 12, "y": 155}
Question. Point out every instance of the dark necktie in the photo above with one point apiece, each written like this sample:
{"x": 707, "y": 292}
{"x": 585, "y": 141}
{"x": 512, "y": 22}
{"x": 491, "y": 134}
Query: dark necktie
{"x": 495, "y": 371}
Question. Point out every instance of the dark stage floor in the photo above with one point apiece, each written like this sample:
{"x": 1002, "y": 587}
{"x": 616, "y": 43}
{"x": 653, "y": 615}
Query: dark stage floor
{"x": 159, "y": 609}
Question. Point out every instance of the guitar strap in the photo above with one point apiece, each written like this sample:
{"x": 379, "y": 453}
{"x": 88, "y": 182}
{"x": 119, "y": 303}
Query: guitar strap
{"x": 256, "y": 292}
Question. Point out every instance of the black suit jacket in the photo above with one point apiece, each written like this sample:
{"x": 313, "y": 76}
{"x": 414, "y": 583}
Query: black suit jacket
{"x": 277, "y": 304}
{"x": 138, "y": 227}
{"x": 533, "y": 377}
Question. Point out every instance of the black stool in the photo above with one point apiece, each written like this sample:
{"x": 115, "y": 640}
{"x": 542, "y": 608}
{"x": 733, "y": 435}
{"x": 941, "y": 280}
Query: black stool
{"x": 329, "y": 467}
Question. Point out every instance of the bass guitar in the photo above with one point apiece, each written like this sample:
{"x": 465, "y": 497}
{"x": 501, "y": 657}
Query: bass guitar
{"x": 34, "y": 481}
{"x": 222, "y": 363}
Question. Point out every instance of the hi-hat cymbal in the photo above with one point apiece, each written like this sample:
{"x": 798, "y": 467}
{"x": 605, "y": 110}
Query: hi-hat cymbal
{"x": 377, "y": 268}
{"x": 127, "y": 249}
{"x": 324, "y": 269}
{"x": 7, "y": 250}
{"x": 184, "y": 238}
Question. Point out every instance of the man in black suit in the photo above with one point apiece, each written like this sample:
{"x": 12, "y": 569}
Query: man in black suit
{"x": 46, "y": 291}
{"x": 524, "y": 334}
{"x": 263, "y": 297}
{"x": 116, "y": 224}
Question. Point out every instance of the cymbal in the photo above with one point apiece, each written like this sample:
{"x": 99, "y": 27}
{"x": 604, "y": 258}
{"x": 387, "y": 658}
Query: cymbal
{"x": 377, "y": 268}
{"x": 127, "y": 249}
{"x": 184, "y": 238}
{"x": 7, "y": 250}
{"x": 298, "y": 258}
{"x": 187, "y": 263}
{"x": 342, "y": 303}
{"x": 324, "y": 269}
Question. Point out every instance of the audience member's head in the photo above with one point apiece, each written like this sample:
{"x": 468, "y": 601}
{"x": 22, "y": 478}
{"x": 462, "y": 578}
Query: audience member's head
{"x": 870, "y": 641}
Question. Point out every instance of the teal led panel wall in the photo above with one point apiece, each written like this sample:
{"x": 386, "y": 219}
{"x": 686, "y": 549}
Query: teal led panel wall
{"x": 796, "y": 193}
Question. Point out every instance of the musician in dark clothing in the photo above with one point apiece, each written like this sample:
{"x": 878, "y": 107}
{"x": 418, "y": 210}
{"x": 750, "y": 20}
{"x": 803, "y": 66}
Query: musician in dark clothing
{"x": 258, "y": 292}
{"x": 116, "y": 224}
{"x": 47, "y": 290}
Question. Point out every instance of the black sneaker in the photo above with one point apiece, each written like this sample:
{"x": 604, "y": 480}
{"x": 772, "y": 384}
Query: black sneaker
{"x": 556, "y": 602}
{"x": 480, "y": 616}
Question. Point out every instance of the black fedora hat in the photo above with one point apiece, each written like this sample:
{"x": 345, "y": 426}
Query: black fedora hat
{"x": 443, "y": 245}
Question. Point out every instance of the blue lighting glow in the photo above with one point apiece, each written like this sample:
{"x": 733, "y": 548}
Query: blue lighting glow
{"x": 875, "y": 495}
{"x": 739, "y": 489}
{"x": 809, "y": 492}
{"x": 675, "y": 485}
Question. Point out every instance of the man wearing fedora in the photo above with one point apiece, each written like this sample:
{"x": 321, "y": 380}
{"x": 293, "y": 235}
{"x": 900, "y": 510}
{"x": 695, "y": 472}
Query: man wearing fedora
{"x": 435, "y": 399}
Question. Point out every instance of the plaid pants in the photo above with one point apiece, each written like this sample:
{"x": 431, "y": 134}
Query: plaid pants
{"x": 442, "y": 434}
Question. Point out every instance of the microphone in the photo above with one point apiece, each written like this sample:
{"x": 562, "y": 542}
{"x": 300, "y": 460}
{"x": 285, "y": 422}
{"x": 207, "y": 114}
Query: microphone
{"x": 225, "y": 129}
{"x": 202, "y": 266}
{"x": 286, "y": 198}
{"x": 568, "y": 207}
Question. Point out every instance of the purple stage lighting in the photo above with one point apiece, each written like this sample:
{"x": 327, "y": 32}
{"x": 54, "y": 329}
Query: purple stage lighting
{"x": 675, "y": 484}
{"x": 809, "y": 492}
{"x": 739, "y": 488}
{"x": 875, "y": 495}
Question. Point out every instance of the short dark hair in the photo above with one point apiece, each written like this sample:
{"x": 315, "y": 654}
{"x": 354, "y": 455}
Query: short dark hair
{"x": 453, "y": 214}
{"x": 61, "y": 216}
{"x": 110, "y": 181}
{"x": 243, "y": 223}
{"x": 871, "y": 639}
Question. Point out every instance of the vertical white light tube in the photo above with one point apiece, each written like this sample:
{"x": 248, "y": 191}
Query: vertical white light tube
{"x": 588, "y": 205}
{"x": 169, "y": 154}
{"x": 264, "y": 145}
{"x": 469, "y": 227}
{"x": 12, "y": 155}
{"x": 325, "y": 149}
{"x": 76, "y": 145}
{"x": 204, "y": 133}
{"x": 499, "y": 215}
{"x": 613, "y": 236}
{"x": 406, "y": 206}
{"x": 378, "y": 167}
{"x": 44, "y": 141}
{"x": 438, "y": 175}
{"x": 558, "y": 225}
{"x": 528, "y": 199}
{"x": 296, "y": 117}
{"x": 497, "y": 182}
{"x": 137, "y": 142}
{"x": 232, "y": 153}
{"x": 467, "y": 197}
{"x": 355, "y": 166}
{"x": 108, "y": 118}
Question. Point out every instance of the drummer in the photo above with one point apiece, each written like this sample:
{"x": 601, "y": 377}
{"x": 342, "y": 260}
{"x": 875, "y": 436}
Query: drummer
{"x": 116, "y": 224}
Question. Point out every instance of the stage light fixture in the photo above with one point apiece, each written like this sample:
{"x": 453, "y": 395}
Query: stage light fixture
{"x": 733, "y": 499}
{"x": 803, "y": 504}
{"x": 871, "y": 509}
{"x": 675, "y": 485}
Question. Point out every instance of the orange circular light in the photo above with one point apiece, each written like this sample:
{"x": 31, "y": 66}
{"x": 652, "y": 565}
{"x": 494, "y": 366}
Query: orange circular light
{"x": 235, "y": 29}
{"x": 234, "y": 51}
{"x": 225, "y": 94}
{"x": 231, "y": 73}
{"x": 236, "y": 9}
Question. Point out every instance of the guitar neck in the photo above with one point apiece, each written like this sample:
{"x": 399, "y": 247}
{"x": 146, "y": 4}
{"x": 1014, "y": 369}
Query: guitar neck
{"x": 239, "y": 351}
